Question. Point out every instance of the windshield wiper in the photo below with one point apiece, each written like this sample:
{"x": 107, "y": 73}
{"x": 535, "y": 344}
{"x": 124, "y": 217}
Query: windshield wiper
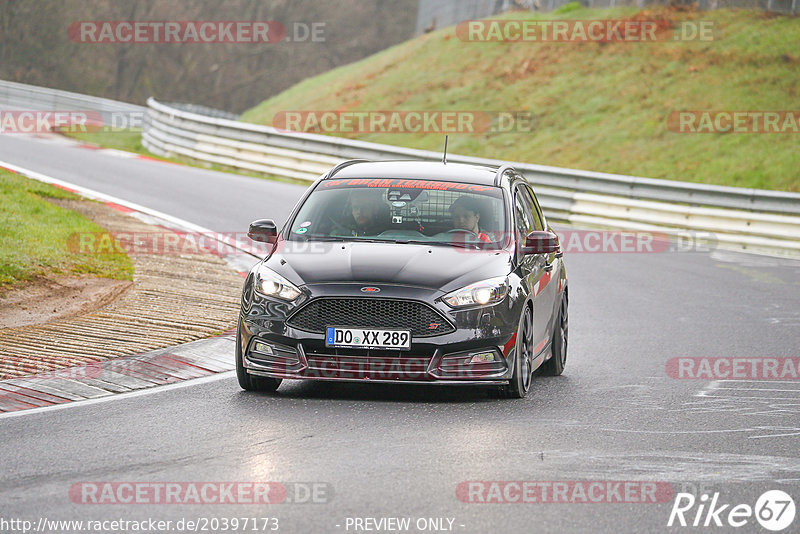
{"x": 354, "y": 239}
{"x": 452, "y": 244}
{"x": 325, "y": 238}
{"x": 342, "y": 239}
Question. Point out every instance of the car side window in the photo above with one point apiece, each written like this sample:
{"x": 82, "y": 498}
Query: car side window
{"x": 536, "y": 213}
{"x": 522, "y": 214}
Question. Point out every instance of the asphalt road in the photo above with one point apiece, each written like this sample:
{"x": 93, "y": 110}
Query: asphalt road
{"x": 401, "y": 451}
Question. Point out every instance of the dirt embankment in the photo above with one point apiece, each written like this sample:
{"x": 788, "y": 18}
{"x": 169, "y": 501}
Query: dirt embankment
{"x": 58, "y": 322}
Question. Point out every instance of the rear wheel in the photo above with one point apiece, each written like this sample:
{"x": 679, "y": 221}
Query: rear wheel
{"x": 520, "y": 382}
{"x": 249, "y": 382}
{"x": 555, "y": 365}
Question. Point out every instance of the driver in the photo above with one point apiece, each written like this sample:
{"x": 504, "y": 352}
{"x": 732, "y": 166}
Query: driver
{"x": 369, "y": 212}
{"x": 466, "y": 213}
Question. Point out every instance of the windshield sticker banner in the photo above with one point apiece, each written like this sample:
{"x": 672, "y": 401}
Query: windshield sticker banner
{"x": 406, "y": 184}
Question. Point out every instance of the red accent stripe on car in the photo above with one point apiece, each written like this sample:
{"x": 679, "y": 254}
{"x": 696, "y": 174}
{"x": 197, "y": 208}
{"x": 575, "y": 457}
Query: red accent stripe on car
{"x": 508, "y": 346}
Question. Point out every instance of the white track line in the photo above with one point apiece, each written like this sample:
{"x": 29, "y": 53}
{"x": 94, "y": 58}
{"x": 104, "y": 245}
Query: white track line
{"x": 119, "y": 396}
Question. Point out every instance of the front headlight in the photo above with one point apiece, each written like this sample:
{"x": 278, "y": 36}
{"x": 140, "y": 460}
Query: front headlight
{"x": 271, "y": 284}
{"x": 478, "y": 294}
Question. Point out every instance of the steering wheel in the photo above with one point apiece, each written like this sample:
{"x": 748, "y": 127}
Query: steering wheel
{"x": 401, "y": 233}
{"x": 338, "y": 226}
{"x": 460, "y": 231}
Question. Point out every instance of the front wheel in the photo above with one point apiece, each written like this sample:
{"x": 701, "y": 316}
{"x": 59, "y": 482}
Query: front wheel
{"x": 555, "y": 365}
{"x": 522, "y": 377}
{"x": 249, "y": 382}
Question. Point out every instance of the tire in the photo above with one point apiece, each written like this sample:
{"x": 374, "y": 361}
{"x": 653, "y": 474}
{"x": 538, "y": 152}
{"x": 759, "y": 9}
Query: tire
{"x": 522, "y": 378}
{"x": 249, "y": 382}
{"x": 555, "y": 365}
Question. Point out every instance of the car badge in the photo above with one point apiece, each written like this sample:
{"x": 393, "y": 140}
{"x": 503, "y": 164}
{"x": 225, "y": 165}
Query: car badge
{"x": 370, "y": 290}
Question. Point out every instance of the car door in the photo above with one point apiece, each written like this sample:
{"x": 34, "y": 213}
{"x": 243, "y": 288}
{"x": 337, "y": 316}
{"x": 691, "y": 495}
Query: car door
{"x": 547, "y": 290}
{"x": 531, "y": 267}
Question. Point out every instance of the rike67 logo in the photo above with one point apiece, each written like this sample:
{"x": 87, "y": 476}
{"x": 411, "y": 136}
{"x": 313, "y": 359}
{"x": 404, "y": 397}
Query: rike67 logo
{"x": 774, "y": 510}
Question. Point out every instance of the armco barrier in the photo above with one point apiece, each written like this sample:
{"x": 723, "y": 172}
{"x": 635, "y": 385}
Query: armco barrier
{"x": 740, "y": 218}
{"x": 750, "y": 219}
{"x": 30, "y": 97}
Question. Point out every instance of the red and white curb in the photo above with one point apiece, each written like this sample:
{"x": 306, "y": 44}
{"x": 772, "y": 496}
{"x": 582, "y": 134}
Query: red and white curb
{"x": 60, "y": 139}
{"x": 121, "y": 153}
{"x": 195, "y": 359}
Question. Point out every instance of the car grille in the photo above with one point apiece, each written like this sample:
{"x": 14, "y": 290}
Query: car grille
{"x": 419, "y": 318}
{"x": 368, "y": 367}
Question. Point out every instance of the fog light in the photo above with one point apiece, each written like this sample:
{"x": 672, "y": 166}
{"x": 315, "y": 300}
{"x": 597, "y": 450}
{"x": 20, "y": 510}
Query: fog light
{"x": 262, "y": 348}
{"x": 483, "y": 357}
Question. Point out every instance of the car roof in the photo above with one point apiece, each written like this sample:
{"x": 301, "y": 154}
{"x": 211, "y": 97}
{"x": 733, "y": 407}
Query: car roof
{"x": 420, "y": 170}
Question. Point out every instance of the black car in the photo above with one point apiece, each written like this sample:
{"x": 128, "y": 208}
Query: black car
{"x": 407, "y": 271}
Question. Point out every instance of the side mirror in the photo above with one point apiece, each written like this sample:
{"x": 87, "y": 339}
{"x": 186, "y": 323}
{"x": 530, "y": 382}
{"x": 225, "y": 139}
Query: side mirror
{"x": 541, "y": 242}
{"x": 263, "y": 230}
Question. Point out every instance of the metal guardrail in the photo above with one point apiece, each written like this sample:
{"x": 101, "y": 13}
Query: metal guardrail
{"x": 751, "y": 219}
{"x": 31, "y": 97}
{"x": 205, "y": 110}
{"x": 741, "y": 218}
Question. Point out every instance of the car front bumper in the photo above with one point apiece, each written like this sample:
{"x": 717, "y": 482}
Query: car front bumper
{"x": 479, "y": 349}
{"x": 308, "y": 358}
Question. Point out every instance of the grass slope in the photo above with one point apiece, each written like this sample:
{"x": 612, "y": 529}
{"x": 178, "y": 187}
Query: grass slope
{"x": 34, "y": 234}
{"x": 600, "y": 107}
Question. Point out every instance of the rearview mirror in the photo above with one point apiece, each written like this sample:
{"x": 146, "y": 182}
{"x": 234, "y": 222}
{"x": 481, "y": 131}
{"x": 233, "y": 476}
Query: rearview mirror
{"x": 540, "y": 242}
{"x": 263, "y": 230}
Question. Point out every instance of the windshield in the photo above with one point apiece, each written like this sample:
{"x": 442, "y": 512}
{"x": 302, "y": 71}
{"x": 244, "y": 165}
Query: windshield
{"x": 401, "y": 210}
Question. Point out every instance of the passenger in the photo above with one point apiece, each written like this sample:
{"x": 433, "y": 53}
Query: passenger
{"x": 466, "y": 212}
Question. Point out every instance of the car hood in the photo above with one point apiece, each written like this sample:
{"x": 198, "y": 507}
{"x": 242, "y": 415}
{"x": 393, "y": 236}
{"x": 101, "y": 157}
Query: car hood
{"x": 435, "y": 267}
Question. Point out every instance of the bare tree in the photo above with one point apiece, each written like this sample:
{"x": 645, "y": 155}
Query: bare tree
{"x": 35, "y": 47}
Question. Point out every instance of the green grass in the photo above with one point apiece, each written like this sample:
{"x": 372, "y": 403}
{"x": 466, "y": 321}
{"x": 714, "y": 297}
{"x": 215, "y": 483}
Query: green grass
{"x": 34, "y": 234}
{"x": 601, "y": 107}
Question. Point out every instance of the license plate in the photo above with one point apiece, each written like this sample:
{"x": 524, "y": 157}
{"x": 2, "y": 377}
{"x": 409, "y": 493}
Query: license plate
{"x": 367, "y": 338}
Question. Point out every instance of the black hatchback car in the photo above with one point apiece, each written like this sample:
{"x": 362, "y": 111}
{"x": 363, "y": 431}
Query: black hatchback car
{"x": 407, "y": 271}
